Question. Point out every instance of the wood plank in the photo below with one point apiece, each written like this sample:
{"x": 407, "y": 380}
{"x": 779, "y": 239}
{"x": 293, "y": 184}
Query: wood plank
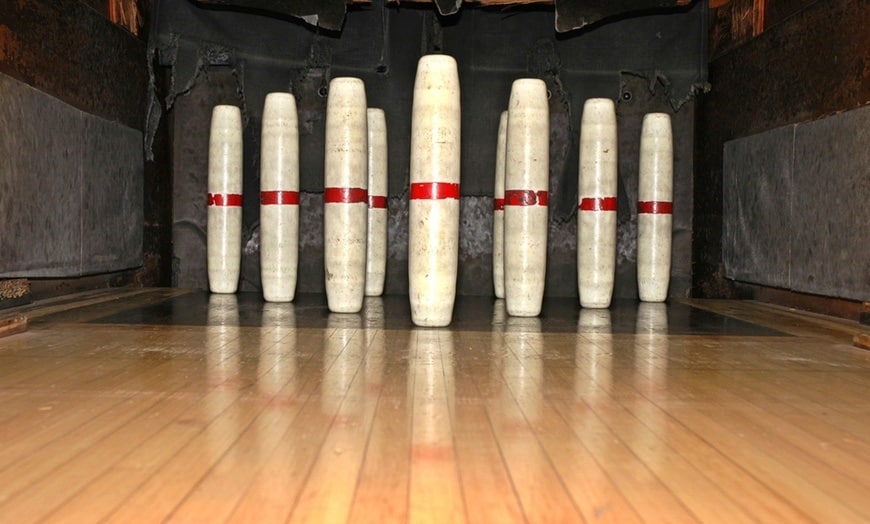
{"x": 275, "y": 488}
{"x": 13, "y": 325}
{"x": 646, "y": 493}
{"x": 331, "y": 483}
{"x": 486, "y": 483}
{"x": 514, "y": 414}
{"x": 383, "y": 486}
{"x": 584, "y": 475}
{"x": 435, "y": 493}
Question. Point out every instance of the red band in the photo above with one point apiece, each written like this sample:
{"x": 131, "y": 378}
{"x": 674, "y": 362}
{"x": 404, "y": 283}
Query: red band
{"x": 653, "y": 207}
{"x": 598, "y": 204}
{"x": 225, "y": 199}
{"x": 498, "y": 204}
{"x": 434, "y": 191}
{"x": 526, "y": 197}
{"x": 279, "y": 198}
{"x": 345, "y": 195}
{"x": 377, "y": 202}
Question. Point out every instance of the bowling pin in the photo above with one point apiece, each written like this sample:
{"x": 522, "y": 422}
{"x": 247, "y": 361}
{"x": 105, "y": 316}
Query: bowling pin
{"x": 433, "y": 233}
{"x": 376, "y": 250}
{"x": 279, "y": 198}
{"x": 654, "y": 207}
{"x": 498, "y": 209}
{"x": 345, "y": 195}
{"x": 224, "y": 229}
{"x": 596, "y": 213}
{"x": 527, "y": 173}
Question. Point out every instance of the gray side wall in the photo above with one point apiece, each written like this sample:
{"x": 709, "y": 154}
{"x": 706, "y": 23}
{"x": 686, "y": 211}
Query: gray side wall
{"x": 71, "y": 188}
{"x": 795, "y": 207}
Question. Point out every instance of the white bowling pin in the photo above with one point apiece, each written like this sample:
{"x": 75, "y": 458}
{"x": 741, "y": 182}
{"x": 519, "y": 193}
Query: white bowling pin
{"x": 433, "y": 233}
{"x": 527, "y": 173}
{"x": 498, "y": 209}
{"x": 654, "y": 207}
{"x": 376, "y": 251}
{"x": 596, "y": 210}
{"x": 279, "y": 198}
{"x": 345, "y": 195}
{"x": 224, "y": 231}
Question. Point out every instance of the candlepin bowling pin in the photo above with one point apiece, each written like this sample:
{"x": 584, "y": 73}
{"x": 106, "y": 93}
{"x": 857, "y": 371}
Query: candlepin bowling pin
{"x": 654, "y": 208}
{"x": 224, "y": 230}
{"x": 376, "y": 251}
{"x": 433, "y": 233}
{"x": 527, "y": 171}
{"x": 498, "y": 209}
{"x": 596, "y": 213}
{"x": 279, "y": 198}
{"x": 345, "y": 195}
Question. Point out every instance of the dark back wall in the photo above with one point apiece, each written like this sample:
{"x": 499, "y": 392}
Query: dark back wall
{"x": 646, "y": 63}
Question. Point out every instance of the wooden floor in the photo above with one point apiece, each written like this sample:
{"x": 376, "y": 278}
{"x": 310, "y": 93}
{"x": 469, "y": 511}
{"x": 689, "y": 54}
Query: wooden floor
{"x": 168, "y": 405}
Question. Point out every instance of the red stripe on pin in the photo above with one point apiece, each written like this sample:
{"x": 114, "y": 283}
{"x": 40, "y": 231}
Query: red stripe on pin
{"x": 498, "y": 204}
{"x": 345, "y": 195}
{"x": 526, "y": 197}
{"x": 279, "y": 198}
{"x": 224, "y": 199}
{"x": 653, "y": 207}
{"x": 377, "y": 202}
{"x": 434, "y": 191}
{"x": 598, "y": 204}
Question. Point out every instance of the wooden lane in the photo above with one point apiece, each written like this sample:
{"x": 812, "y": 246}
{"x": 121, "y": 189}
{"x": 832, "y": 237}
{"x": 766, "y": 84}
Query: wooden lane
{"x": 691, "y": 397}
{"x": 353, "y": 422}
{"x": 226, "y": 415}
{"x": 283, "y": 388}
{"x": 514, "y": 413}
{"x": 331, "y": 483}
{"x": 585, "y": 480}
{"x": 782, "y": 319}
{"x": 487, "y": 486}
{"x": 639, "y": 486}
{"x": 728, "y": 475}
{"x": 384, "y": 479}
{"x": 77, "y": 414}
{"x": 435, "y": 493}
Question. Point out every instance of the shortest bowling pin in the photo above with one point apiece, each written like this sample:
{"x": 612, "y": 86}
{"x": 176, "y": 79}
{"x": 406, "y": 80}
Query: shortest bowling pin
{"x": 224, "y": 231}
{"x": 655, "y": 207}
{"x": 498, "y": 209}
{"x": 376, "y": 252}
{"x": 279, "y": 198}
{"x": 345, "y": 195}
{"x": 596, "y": 209}
{"x": 527, "y": 172}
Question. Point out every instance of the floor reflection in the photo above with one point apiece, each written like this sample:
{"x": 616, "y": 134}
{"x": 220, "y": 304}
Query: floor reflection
{"x": 593, "y": 356}
{"x": 559, "y": 315}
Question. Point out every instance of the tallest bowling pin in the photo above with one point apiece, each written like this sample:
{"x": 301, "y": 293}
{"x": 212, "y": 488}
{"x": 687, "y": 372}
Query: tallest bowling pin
{"x": 433, "y": 233}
